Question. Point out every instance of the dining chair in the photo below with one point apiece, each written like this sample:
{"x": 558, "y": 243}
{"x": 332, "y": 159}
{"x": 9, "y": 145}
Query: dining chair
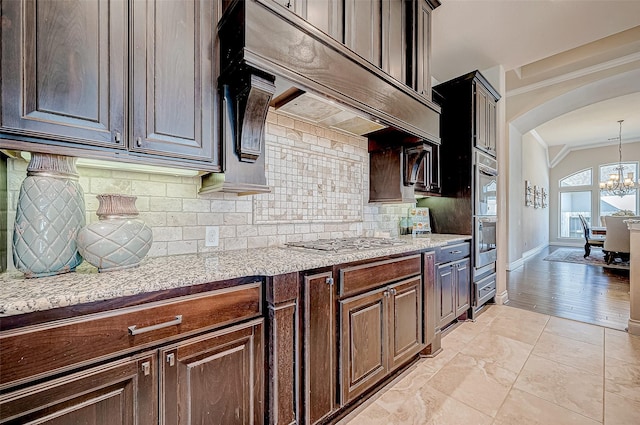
{"x": 617, "y": 242}
{"x": 589, "y": 239}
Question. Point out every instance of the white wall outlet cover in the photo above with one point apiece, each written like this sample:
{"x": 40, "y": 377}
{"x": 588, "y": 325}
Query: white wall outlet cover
{"x": 212, "y": 236}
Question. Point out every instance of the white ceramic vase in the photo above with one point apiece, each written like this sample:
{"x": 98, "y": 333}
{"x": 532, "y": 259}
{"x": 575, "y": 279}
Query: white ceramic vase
{"x": 118, "y": 240}
{"x": 49, "y": 215}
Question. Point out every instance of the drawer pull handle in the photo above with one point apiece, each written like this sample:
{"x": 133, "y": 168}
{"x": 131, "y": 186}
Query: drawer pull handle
{"x": 133, "y": 330}
{"x": 457, "y": 251}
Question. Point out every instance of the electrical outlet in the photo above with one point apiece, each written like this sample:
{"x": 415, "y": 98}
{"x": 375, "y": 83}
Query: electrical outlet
{"x": 212, "y": 236}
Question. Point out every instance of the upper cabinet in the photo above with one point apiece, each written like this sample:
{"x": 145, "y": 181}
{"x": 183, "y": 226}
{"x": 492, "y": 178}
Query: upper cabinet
{"x": 469, "y": 97}
{"x": 173, "y": 77}
{"x": 64, "y": 70}
{"x": 363, "y": 29}
{"x": 131, "y": 76}
{"x": 485, "y": 119}
{"x": 422, "y": 40}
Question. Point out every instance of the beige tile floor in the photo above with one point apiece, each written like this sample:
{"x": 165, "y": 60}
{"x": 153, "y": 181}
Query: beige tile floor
{"x": 515, "y": 367}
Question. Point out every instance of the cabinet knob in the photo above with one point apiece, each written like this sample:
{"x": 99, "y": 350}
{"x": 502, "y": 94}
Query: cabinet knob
{"x": 117, "y": 137}
{"x": 146, "y": 368}
{"x": 171, "y": 359}
{"x": 393, "y": 291}
{"x": 329, "y": 281}
{"x": 138, "y": 141}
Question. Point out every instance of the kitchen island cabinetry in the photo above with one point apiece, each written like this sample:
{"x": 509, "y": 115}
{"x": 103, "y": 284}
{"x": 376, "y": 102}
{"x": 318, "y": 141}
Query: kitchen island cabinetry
{"x": 453, "y": 276}
{"x": 66, "y": 82}
{"x": 121, "y": 366}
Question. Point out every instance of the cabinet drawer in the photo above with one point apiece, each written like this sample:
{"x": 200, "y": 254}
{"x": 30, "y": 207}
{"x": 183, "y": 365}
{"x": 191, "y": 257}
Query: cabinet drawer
{"x": 360, "y": 278}
{"x": 40, "y": 350}
{"x": 445, "y": 254}
{"x": 485, "y": 289}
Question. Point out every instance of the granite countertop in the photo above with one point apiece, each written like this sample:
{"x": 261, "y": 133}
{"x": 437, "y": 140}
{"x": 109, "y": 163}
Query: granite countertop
{"x": 19, "y": 295}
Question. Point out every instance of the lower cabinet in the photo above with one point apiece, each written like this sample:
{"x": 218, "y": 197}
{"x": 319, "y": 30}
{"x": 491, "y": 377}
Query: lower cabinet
{"x": 452, "y": 291}
{"x": 215, "y": 378}
{"x": 379, "y": 331}
{"x": 119, "y": 393}
{"x": 318, "y": 347}
{"x": 195, "y": 359}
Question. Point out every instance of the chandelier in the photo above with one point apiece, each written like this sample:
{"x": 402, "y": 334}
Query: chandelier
{"x": 618, "y": 184}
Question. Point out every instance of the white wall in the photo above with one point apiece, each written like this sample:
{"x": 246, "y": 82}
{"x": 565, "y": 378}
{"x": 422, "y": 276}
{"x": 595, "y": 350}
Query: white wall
{"x": 308, "y": 167}
{"x": 535, "y": 221}
{"x": 579, "y": 160}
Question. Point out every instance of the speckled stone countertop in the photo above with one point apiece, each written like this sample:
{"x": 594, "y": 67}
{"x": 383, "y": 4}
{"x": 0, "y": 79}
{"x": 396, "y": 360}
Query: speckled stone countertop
{"x": 19, "y": 295}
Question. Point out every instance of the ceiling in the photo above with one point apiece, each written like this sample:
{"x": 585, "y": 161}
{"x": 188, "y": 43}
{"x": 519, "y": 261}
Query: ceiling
{"x": 547, "y": 49}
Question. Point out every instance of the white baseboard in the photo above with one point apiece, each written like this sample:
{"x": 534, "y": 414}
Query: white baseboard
{"x": 519, "y": 262}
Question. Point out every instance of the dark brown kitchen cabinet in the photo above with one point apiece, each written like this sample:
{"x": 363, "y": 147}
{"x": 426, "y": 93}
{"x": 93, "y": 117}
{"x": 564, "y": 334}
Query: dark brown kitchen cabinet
{"x": 318, "y": 347}
{"x": 380, "y": 331}
{"x": 64, "y": 70}
{"x": 422, "y": 50}
{"x": 363, "y": 29}
{"x": 174, "y": 71}
{"x": 214, "y": 378}
{"x": 363, "y": 342}
{"x": 452, "y": 290}
{"x": 485, "y": 120}
{"x": 405, "y": 321}
{"x": 109, "y": 76}
{"x": 377, "y": 30}
{"x": 119, "y": 393}
{"x": 188, "y": 357}
{"x": 326, "y": 15}
{"x": 468, "y": 119}
{"x": 428, "y": 179}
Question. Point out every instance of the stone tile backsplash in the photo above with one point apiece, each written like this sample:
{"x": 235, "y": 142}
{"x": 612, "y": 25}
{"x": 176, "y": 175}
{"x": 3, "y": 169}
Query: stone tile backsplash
{"x": 319, "y": 180}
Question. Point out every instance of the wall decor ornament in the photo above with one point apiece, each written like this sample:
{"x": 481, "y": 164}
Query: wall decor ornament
{"x": 118, "y": 240}
{"x": 528, "y": 194}
{"x": 49, "y": 215}
{"x": 543, "y": 198}
{"x": 537, "y": 196}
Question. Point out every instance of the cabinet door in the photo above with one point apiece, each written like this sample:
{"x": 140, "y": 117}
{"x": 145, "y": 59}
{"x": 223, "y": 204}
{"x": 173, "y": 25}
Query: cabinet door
{"x": 428, "y": 180}
{"x": 445, "y": 295}
{"x": 463, "y": 290}
{"x": 482, "y": 100}
{"x": 319, "y": 348}
{"x": 394, "y": 39}
{"x": 326, "y": 15}
{"x": 363, "y": 343}
{"x": 214, "y": 378}
{"x": 63, "y": 70}
{"x": 492, "y": 126}
{"x": 429, "y": 297}
{"x": 118, "y": 393}
{"x": 174, "y": 71}
{"x": 405, "y": 321}
{"x": 362, "y": 28}
{"x": 422, "y": 48}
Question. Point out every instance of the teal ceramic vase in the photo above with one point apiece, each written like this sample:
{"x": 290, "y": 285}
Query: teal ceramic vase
{"x": 49, "y": 215}
{"x": 118, "y": 240}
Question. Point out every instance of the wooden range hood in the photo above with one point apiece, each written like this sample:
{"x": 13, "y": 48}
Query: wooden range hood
{"x": 260, "y": 42}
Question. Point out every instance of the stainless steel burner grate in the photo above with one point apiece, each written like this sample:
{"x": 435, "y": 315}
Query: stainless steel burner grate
{"x": 347, "y": 244}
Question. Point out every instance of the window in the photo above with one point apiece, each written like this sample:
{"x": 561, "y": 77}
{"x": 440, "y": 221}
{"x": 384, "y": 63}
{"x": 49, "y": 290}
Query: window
{"x": 613, "y": 204}
{"x": 581, "y": 178}
{"x": 573, "y": 204}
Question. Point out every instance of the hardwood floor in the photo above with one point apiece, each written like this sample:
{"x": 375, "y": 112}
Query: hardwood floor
{"x": 580, "y": 292}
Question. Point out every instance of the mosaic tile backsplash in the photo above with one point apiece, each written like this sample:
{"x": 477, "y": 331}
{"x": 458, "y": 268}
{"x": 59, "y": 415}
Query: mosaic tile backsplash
{"x": 319, "y": 181}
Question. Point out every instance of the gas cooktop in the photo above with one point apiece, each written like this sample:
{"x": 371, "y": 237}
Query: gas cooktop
{"x": 347, "y": 244}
